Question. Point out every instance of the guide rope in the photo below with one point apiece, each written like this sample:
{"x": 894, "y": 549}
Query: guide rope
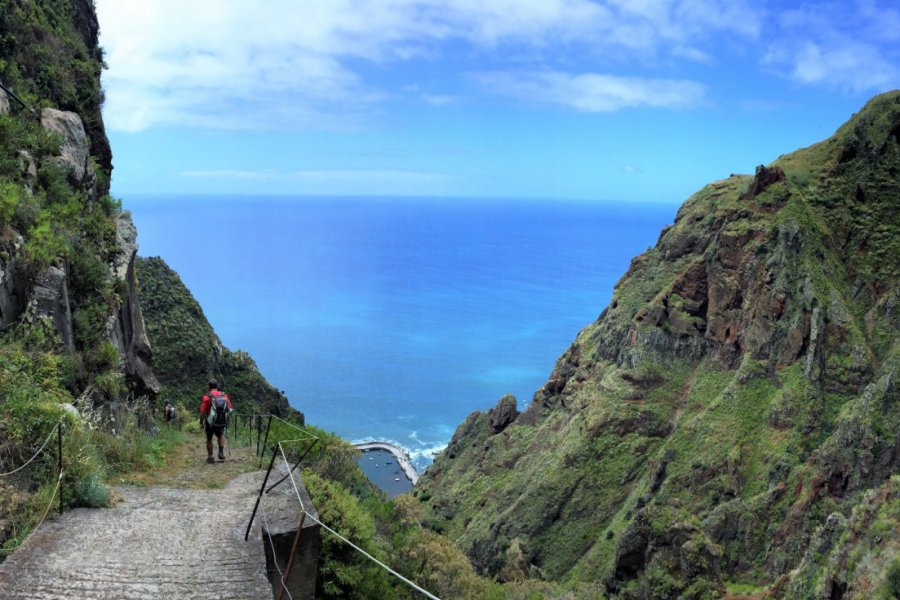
{"x": 348, "y": 542}
{"x": 274, "y": 555}
{"x": 297, "y": 427}
{"x": 43, "y": 518}
{"x": 13, "y": 95}
{"x": 36, "y": 454}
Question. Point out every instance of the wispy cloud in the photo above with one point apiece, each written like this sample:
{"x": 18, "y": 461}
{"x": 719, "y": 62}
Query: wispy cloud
{"x": 440, "y": 100}
{"x": 836, "y": 46}
{"x": 592, "y": 92}
{"x": 375, "y": 176}
{"x": 236, "y": 65}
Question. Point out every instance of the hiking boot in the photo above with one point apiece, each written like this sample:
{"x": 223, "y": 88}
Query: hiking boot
{"x": 210, "y": 459}
{"x": 221, "y": 453}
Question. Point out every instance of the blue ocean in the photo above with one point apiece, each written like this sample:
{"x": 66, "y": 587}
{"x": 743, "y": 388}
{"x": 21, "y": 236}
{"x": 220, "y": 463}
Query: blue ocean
{"x": 394, "y": 318}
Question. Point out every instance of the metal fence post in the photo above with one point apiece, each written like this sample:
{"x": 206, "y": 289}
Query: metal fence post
{"x": 258, "y": 433}
{"x": 297, "y": 464}
{"x": 266, "y": 439}
{"x": 59, "y": 464}
{"x": 261, "y": 489}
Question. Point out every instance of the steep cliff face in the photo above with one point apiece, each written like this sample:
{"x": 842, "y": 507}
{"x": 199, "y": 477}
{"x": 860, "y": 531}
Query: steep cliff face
{"x": 188, "y": 351}
{"x": 67, "y": 250}
{"x": 732, "y": 416}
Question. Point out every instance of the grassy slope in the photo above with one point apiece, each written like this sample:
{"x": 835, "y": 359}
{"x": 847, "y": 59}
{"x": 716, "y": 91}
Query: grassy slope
{"x": 187, "y": 351}
{"x": 738, "y": 391}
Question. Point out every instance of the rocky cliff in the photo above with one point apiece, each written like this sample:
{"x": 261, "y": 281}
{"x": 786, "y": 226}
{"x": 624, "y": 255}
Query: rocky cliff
{"x": 731, "y": 420}
{"x": 68, "y": 251}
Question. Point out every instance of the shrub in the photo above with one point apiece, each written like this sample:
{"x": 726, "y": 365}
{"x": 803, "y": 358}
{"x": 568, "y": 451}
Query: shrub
{"x": 893, "y": 578}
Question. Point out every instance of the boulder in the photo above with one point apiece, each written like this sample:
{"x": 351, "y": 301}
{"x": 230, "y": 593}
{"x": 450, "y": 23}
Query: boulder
{"x": 74, "y": 151}
{"x": 70, "y": 408}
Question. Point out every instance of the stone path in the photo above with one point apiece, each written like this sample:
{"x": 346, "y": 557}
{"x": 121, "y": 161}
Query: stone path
{"x": 157, "y": 542}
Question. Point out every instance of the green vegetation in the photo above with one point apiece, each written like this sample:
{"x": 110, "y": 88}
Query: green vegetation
{"x": 734, "y": 408}
{"x": 33, "y": 385}
{"x": 187, "y": 352}
{"x": 731, "y": 417}
{"x": 50, "y": 57}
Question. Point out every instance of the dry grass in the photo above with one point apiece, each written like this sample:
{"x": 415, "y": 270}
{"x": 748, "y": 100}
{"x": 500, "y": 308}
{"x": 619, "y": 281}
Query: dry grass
{"x": 187, "y": 467}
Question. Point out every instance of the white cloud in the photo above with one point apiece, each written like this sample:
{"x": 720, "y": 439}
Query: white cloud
{"x": 286, "y": 64}
{"x": 593, "y": 92}
{"x": 838, "y": 46}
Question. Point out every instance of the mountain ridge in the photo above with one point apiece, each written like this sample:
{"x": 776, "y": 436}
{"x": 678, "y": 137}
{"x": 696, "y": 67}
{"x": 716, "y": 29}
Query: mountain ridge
{"x": 710, "y": 395}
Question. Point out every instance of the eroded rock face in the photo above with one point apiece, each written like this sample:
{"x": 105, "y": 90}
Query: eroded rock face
{"x": 49, "y": 298}
{"x": 73, "y": 152}
{"x": 127, "y": 329}
{"x": 12, "y": 288}
{"x": 765, "y": 176}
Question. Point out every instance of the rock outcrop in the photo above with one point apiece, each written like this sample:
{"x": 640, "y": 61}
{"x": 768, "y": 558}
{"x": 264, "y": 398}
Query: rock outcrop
{"x": 127, "y": 329}
{"x": 73, "y": 151}
{"x": 503, "y": 414}
{"x": 730, "y": 412}
{"x": 50, "y": 300}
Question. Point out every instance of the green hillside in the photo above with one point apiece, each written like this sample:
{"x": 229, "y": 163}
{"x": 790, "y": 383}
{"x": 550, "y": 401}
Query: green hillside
{"x": 731, "y": 420}
{"x": 187, "y": 352}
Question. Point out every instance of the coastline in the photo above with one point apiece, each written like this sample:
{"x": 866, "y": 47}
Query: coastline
{"x": 397, "y": 452}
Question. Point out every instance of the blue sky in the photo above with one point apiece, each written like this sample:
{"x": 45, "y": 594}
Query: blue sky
{"x": 622, "y": 100}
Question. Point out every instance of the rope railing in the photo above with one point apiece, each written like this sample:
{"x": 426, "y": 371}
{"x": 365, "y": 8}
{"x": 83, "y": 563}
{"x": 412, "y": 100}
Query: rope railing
{"x": 36, "y": 454}
{"x": 43, "y": 518}
{"x": 278, "y": 447}
{"x": 13, "y": 95}
{"x": 315, "y": 519}
{"x": 275, "y": 556}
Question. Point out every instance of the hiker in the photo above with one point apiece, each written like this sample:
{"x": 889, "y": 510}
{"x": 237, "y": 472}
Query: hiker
{"x": 169, "y": 411}
{"x": 214, "y": 410}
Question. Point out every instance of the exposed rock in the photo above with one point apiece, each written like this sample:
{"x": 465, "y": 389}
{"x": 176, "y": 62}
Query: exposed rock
{"x": 28, "y": 169}
{"x": 4, "y": 102}
{"x": 73, "y": 152}
{"x": 126, "y": 328}
{"x": 12, "y": 284}
{"x": 765, "y": 176}
{"x": 49, "y": 298}
{"x": 503, "y": 414}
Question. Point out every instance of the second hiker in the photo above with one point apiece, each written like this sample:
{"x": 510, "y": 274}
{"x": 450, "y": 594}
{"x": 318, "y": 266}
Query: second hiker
{"x": 214, "y": 410}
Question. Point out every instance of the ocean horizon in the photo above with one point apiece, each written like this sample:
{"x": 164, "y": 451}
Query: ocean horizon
{"x": 394, "y": 318}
